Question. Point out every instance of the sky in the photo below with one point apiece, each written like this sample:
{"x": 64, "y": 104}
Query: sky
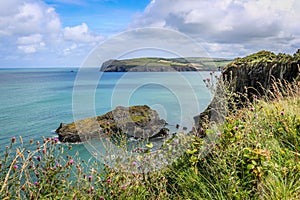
{"x": 61, "y": 33}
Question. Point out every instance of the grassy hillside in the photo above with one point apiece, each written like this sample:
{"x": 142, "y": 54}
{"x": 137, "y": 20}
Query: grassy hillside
{"x": 255, "y": 156}
{"x": 155, "y": 63}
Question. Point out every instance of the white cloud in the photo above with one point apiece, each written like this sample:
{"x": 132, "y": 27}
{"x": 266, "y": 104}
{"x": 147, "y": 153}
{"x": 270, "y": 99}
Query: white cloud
{"x": 30, "y": 44}
{"x": 242, "y": 23}
{"x": 34, "y": 29}
{"x": 80, "y": 33}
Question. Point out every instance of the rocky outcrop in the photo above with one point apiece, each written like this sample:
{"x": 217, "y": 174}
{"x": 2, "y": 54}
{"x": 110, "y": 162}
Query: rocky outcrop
{"x": 250, "y": 76}
{"x": 256, "y": 73}
{"x": 135, "y": 121}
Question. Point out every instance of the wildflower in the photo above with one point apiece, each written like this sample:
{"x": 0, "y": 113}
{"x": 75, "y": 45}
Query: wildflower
{"x": 108, "y": 181}
{"x": 90, "y": 178}
{"x": 71, "y": 162}
{"x": 281, "y": 113}
{"x": 56, "y": 140}
{"x": 236, "y": 128}
{"x": 15, "y": 167}
{"x": 219, "y": 134}
{"x": 101, "y": 198}
{"x": 108, "y": 123}
{"x": 70, "y": 147}
{"x": 36, "y": 183}
{"x": 38, "y": 158}
{"x": 208, "y": 79}
{"x": 134, "y": 163}
{"x": 44, "y": 150}
{"x": 252, "y": 109}
{"x": 13, "y": 139}
{"x": 123, "y": 187}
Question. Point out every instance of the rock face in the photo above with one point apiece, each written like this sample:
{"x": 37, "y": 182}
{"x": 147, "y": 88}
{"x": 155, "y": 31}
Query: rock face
{"x": 136, "y": 121}
{"x": 251, "y": 76}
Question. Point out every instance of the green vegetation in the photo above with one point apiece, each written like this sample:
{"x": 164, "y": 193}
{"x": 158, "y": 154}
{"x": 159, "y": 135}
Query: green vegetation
{"x": 144, "y": 64}
{"x": 255, "y": 156}
{"x": 267, "y": 57}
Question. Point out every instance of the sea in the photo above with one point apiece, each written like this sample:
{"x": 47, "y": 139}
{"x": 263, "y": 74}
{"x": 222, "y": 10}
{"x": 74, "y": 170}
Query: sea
{"x": 33, "y": 102}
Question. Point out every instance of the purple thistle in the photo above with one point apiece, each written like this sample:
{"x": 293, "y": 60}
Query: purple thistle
{"x": 15, "y": 167}
{"x": 90, "y": 178}
{"x": 13, "y": 139}
{"x": 71, "y": 161}
{"x": 281, "y": 113}
{"x": 108, "y": 181}
{"x": 134, "y": 163}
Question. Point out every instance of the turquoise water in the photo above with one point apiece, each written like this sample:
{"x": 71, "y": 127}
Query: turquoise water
{"x": 35, "y": 101}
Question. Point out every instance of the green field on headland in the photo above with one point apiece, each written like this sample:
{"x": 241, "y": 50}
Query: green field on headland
{"x": 164, "y": 64}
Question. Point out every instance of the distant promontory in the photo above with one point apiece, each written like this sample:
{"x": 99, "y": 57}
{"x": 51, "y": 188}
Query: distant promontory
{"x": 164, "y": 64}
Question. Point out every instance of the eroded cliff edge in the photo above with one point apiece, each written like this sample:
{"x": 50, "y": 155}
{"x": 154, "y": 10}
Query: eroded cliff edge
{"x": 251, "y": 77}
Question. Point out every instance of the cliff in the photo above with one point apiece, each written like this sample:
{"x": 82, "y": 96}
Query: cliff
{"x": 163, "y": 64}
{"x": 134, "y": 121}
{"x": 251, "y": 77}
{"x": 254, "y": 74}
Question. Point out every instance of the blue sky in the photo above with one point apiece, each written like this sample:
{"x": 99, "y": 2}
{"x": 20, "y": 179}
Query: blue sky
{"x": 54, "y": 33}
{"x": 102, "y": 16}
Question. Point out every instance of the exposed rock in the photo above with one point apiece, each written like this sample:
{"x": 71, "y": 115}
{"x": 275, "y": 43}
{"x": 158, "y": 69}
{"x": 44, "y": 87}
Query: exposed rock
{"x": 252, "y": 76}
{"x": 136, "y": 121}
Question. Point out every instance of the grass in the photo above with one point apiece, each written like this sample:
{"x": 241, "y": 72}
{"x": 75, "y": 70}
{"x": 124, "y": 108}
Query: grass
{"x": 266, "y": 57}
{"x": 255, "y": 156}
{"x": 201, "y": 63}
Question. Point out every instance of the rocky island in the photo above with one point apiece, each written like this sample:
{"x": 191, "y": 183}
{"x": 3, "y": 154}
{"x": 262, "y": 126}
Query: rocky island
{"x": 135, "y": 121}
{"x": 164, "y": 64}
